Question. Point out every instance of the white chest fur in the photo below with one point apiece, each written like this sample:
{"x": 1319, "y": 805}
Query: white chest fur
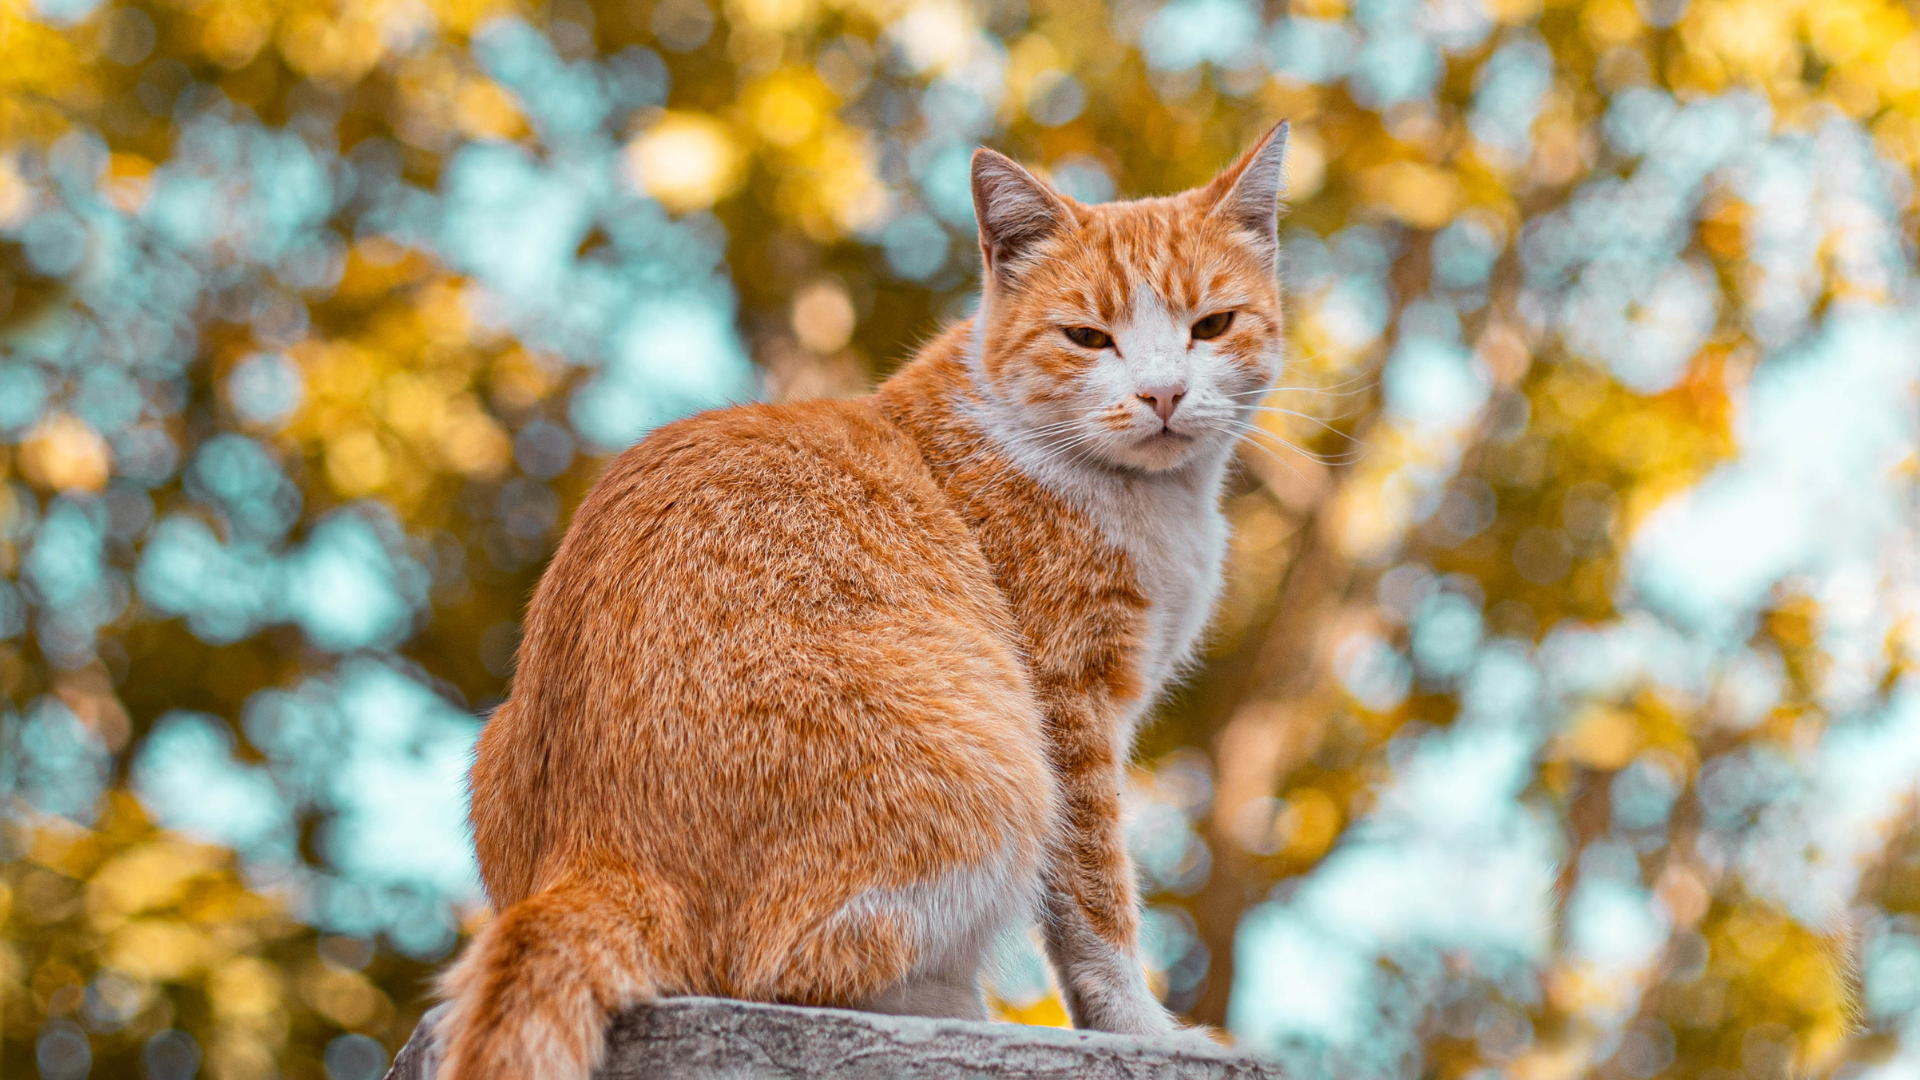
{"x": 1172, "y": 530}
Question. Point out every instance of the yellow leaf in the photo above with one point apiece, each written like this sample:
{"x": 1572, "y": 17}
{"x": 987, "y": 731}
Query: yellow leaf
{"x": 160, "y": 950}
{"x": 65, "y": 454}
{"x": 145, "y": 878}
{"x": 357, "y": 463}
{"x": 771, "y": 16}
{"x": 789, "y": 106}
{"x": 1308, "y": 824}
{"x": 245, "y": 986}
{"x": 482, "y": 110}
{"x": 1603, "y": 737}
{"x": 1424, "y": 196}
{"x": 1049, "y": 1011}
{"x": 688, "y": 161}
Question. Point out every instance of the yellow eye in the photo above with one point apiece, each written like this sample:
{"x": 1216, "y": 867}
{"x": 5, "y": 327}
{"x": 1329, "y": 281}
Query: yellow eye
{"x": 1212, "y": 326}
{"x": 1088, "y": 338}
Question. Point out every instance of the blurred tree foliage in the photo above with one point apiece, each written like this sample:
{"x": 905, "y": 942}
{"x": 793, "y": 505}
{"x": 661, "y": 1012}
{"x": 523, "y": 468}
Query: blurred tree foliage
{"x": 1560, "y": 717}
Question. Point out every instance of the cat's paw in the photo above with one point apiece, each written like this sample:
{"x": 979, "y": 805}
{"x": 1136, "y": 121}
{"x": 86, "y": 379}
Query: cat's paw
{"x": 1197, "y": 1037}
{"x": 1144, "y": 1017}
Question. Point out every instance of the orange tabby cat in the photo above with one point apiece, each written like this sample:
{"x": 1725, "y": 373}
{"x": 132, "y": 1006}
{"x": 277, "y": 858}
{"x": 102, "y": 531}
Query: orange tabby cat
{"x": 817, "y": 698}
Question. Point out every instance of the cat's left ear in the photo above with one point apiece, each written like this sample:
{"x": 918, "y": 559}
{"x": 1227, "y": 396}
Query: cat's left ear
{"x": 1247, "y": 193}
{"x": 1015, "y": 211}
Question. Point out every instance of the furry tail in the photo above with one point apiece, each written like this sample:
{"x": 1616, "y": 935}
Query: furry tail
{"x": 532, "y": 994}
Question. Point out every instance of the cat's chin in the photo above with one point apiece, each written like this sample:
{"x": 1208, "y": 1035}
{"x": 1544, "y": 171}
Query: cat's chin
{"x": 1164, "y": 451}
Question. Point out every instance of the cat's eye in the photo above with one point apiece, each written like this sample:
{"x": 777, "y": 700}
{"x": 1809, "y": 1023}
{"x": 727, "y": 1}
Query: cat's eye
{"x": 1212, "y": 326}
{"x": 1088, "y": 338}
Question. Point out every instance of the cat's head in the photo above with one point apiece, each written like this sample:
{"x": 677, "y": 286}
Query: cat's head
{"x": 1137, "y": 334}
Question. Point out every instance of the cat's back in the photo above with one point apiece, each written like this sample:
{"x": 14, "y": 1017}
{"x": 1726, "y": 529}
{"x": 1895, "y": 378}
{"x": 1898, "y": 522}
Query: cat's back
{"x": 798, "y": 507}
{"x": 741, "y": 587}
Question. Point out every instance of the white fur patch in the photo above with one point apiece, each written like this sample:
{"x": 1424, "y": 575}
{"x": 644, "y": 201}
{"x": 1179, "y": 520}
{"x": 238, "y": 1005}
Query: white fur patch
{"x": 954, "y": 918}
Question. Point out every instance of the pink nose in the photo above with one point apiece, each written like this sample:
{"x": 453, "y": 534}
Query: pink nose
{"x": 1164, "y": 399}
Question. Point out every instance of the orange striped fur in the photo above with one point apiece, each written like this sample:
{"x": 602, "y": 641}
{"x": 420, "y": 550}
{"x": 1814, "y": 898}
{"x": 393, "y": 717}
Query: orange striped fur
{"x": 815, "y": 699}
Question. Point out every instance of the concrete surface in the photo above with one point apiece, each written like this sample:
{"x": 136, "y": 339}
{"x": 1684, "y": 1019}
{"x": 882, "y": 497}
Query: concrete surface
{"x": 711, "y": 1039}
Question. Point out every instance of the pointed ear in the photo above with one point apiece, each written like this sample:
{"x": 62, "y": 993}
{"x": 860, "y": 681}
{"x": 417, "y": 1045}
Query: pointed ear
{"x": 1015, "y": 210}
{"x": 1247, "y": 193}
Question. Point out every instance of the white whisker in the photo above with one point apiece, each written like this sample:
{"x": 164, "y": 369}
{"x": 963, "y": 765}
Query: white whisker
{"x": 1324, "y": 425}
{"x": 1344, "y": 458}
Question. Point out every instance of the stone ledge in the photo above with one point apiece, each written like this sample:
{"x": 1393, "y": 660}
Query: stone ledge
{"x": 712, "y": 1039}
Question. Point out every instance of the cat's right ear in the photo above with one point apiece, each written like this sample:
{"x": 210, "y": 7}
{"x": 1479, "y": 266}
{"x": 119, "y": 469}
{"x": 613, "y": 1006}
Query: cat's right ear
{"x": 1015, "y": 211}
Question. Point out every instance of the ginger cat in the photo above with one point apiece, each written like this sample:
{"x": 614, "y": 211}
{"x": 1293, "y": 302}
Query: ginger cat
{"x": 816, "y": 698}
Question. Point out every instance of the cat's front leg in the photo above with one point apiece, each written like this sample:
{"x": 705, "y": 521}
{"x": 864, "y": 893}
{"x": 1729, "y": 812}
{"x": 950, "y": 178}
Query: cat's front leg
{"x": 1101, "y": 978}
{"x": 1090, "y": 917}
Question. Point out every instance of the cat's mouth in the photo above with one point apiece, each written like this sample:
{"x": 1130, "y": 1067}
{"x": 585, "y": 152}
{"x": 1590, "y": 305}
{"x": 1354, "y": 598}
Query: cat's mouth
{"x": 1166, "y": 436}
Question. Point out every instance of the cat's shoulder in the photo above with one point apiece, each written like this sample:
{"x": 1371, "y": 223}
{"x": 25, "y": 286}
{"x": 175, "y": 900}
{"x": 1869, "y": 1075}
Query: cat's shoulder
{"x": 789, "y": 469}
